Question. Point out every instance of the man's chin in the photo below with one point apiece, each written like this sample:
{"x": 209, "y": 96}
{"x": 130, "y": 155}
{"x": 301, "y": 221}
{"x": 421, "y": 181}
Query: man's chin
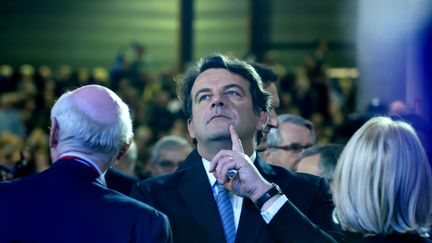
{"x": 218, "y": 128}
{"x": 220, "y": 137}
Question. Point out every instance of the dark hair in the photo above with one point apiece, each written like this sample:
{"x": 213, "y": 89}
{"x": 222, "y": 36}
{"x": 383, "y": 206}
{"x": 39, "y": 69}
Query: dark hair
{"x": 329, "y": 155}
{"x": 267, "y": 73}
{"x": 268, "y": 76}
{"x": 261, "y": 99}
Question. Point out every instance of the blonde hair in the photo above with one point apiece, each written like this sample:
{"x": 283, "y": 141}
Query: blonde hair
{"x": 383, "y": 181}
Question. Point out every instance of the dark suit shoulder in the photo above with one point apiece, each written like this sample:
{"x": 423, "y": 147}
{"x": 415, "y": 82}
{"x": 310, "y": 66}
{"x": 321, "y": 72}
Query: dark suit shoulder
{"x": 304, "y": 190}
{"x": 308, "y": 194}
{"x": 304, "y": 180}
{"x": 155, "y": 190}
{"x": 307, "y": 179}
{"x": 164, "y": 180}
{"x": 122, "y": 201}
{"x": 120, "y": 181}
{"x": 279, "y": 174}
{"x": 26, "y": 183}
{"x": 174, "y": 178}
{"x": 87, "y": 201}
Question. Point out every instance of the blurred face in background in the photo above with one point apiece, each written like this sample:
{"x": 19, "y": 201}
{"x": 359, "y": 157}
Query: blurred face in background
{"x": 309, "y": 165}
{"x": 272, "y": 121}
{"x": 287, "y": 153}
{"x": 169, "y": 160}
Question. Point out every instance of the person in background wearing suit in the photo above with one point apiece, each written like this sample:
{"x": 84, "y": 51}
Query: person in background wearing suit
{"x": 121, "y": 177}
{"x": 223, "y": 191}
{"x": 320, "y": 161}
{"x": 168, "y": 153}
{"x": 286, "y": 143}
{"x": 91, "y": 128}
{"x": 383, "y": 184}
{"x": 269, "y": 78}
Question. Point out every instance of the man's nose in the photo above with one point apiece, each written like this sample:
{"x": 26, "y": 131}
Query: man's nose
{"x": 273, "y": 122}
{"x": 218, "y": 103}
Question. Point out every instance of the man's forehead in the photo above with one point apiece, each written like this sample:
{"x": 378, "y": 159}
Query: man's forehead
{"x": 295, "y": 132}
{"x": 215, "y": 77}
{"x": 173, "y": 152}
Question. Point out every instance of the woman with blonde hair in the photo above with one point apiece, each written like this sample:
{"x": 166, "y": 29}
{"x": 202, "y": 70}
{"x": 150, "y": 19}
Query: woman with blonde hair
{"x": 383, "y": 184}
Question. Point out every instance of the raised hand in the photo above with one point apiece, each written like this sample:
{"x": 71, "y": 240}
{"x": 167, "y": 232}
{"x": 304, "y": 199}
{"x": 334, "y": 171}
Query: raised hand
{"x": 247, "y": 181}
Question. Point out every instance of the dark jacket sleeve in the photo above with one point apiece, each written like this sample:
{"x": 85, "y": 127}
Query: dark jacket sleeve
{"x": 161, "y": 229}
{"x": 302, "y": 220}
{"x": 291, "y": 225}
{"x": 138, "y": 193}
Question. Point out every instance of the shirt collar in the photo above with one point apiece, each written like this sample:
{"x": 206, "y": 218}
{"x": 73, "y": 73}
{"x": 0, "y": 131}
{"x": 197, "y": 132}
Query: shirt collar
{"x": 210, "y": 176}
{"x": 83, "y": 157}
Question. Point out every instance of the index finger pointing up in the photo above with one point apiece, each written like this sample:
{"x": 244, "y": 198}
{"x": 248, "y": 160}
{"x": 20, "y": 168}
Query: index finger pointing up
{"x": 236, "y": 142}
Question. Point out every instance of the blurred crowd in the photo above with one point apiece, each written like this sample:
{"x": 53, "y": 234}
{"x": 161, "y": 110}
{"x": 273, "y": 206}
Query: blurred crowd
{"x": 27, "y": 93}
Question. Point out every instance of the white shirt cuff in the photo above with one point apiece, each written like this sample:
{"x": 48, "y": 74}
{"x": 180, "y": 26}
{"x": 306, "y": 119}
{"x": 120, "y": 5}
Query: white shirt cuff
{"x": 274, "y": 208}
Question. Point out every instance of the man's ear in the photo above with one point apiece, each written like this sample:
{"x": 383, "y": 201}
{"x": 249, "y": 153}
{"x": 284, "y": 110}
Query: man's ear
{"x": 123, "y": 150}
{"x": 263, "y": 118}
{"x": 54, "y": 133}
{"x": 190, "y": 128}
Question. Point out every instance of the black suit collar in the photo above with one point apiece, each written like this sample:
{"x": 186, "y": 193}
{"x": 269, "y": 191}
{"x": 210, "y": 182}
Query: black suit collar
{"x": 196, "y": 191}
{"x": 195, "y": 184}
{"x": 264, "y": 169}
{"x": 251, "y": 223}
{"x": 70, "y": 166}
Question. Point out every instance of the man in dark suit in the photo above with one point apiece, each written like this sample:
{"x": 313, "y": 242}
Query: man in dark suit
{"x": 226, "y": 105}
{"x": 120, "y": 181}
{"x": 121, "y": 177}
{"x": 168, "y": 153}
{"x": 69, "y": 202}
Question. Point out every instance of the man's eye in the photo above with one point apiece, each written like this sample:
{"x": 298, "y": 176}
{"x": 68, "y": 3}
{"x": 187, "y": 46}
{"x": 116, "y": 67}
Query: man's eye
{"x": 232, "y": 93}
{"x": 204, "y": 97}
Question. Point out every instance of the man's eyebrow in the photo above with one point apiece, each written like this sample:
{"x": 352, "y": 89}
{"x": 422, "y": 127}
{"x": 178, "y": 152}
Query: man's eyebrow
{"x": 226, "y": 87}
{"x": 203, "y": 90}
{"x": 229, "y": 86}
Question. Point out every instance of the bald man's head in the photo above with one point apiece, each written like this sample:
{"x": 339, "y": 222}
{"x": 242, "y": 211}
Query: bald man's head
{"x": 97, "y": 102}
{"x": 92, "y": 119}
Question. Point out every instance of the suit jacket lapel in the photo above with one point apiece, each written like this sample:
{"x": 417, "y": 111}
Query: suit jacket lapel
{"x": 79, "y": 169}
{"x": 264, "y": 169}
{"x": 197, "y": 193}
{"x": 251, "y": 222}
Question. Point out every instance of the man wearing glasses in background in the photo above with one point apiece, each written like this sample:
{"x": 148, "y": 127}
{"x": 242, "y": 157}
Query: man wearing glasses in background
{"x": 168, "y": 153}
{"x": 286, "y": 143}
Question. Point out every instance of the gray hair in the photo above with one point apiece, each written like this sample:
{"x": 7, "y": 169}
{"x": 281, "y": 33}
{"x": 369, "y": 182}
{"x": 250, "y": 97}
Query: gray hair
{"x": 383, "y": 181}
{"x": 131, "y": 156}
{"x": 329, "y": 155}
{"x": 170, "y": 142}
{"x": 81, "y": 131}
{"x": 274, "y": 138}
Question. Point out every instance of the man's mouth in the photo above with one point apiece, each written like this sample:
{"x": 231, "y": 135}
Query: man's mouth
{"x": 218, "y": 117}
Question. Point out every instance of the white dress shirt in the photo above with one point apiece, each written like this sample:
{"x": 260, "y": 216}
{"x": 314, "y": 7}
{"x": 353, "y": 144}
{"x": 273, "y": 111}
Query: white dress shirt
{"x": 237, "y": 201}
{"x": 86, "y": 159}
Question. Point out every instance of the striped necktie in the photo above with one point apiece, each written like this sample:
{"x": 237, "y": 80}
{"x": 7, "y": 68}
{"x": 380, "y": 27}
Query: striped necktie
{"x": 226, "y": 213}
